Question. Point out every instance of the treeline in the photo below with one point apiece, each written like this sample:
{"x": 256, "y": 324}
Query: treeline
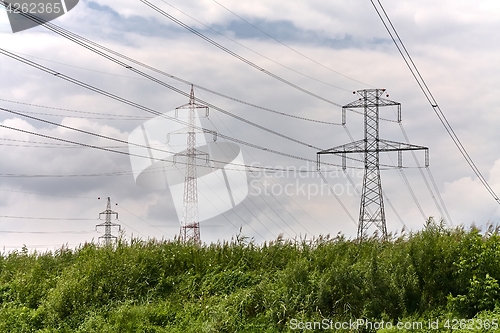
{"x": 151, "y": 286}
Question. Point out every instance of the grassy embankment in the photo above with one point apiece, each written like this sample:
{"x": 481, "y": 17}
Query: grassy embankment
{"x": 136, "y": 286}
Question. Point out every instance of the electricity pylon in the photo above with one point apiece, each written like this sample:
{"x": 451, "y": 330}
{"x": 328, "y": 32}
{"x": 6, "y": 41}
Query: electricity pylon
{"x": 108, "y": 224}
{"x": 190, "y": 224}
{"x": 371, "y": 210}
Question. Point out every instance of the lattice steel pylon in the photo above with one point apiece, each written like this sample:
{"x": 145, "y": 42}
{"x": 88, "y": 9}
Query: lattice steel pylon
{"x": 108, "y": 225}
{"x": 371, "y": 210}
{"x": 190, "y": 224}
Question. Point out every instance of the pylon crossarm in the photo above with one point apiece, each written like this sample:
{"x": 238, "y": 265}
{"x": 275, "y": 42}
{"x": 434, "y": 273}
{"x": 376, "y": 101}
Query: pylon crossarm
{"x": 191, "y": 106}
{"x": 105, "y": 224}
{"x": 361, "y": 103}
{"x": 383, "y": 146}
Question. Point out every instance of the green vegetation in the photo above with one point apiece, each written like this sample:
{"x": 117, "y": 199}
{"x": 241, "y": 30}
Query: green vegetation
{"x": 138, "y": 286}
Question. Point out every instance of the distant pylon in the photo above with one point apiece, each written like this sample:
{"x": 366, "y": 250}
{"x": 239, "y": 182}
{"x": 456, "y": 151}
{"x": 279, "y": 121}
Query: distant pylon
{"x": 108, "y": 224}
{"x": 190, "y": 224}
{"x": 372, "y": 203}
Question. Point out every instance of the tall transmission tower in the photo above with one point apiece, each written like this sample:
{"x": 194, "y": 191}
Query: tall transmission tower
{"x": 371, "y": 211}
{"x": 108, "y": 225}
{"x": 190, "y": 224}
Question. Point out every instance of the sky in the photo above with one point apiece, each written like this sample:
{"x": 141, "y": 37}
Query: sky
{"x": 49, "y": 189}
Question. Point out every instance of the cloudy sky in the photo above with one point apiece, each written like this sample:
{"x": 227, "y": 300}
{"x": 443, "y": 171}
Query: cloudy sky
{"x": 49, "y": 189}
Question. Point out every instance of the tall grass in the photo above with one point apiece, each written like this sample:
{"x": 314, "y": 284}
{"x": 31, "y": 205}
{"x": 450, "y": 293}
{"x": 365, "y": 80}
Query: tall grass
{"x": 167, "y": 286}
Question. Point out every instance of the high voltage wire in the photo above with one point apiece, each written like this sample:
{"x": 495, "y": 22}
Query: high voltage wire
{"x": 143, "y": 146}
{"x": 46, "y": 232}
{"x": 412, "y": 193}
{"x": 265, "y": 200}
{"x": 122, "y": 141}
{"x": 141, "y": 107}
{"x": 284, "y": 114}
{"x": 79, "y": 67}
{"x": 125, "y": 101}
{"x": 77, "y": 39}
{"x": 71, "y": 110}
{"x": 260, "y": 54}
{"x": 248, "y": 62}
{"x": 337, "y": 198}
{"x": 52, "y": 26}
{"x": 428, "y": 94}
{"x": 292, "y": 49}
{"x": 46, "y": 218}
{"x": 427, "y": 183}
{"x": 289, "y": 47}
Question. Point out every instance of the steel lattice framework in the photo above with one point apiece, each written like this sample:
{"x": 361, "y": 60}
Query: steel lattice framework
{"x": 372, "y": 203}
{"x": 190, "y": 224}
{"x": 108, "y": 225}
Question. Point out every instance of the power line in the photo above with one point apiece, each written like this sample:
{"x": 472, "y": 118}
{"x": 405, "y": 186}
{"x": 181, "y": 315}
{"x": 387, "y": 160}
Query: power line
{"x": 430, "y": 97}
{"x": 427, "y": 183}
{"x": 46, "y": 218}
{"x": 337, "y": 198}
{"x": 412, "y": 193}
{"x": 439, "y": 195}
{"x": 259, "y": 195}
{"x": 248, "y": 62}
{"x": 289, "y": 47}
{"x": 52, "y": 195}
{"x": 128, "y": 102}
{"x": 110, "y": 138}
{"x": 47, "y": 232}
{"x": 71, "y": 110}
{"x": 81, "y": 41}
{"x": 126, "y": 210}
{"x": 260, "y": 54}
{"x": 125, "y": 101}
{"x": 79, "y": 67}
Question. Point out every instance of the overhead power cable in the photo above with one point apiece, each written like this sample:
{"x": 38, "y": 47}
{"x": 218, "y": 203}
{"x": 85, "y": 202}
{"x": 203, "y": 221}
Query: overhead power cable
{"x": 52, "y": 195}
{"x": 428, "y": 94}
{"x": 46, "y": 232}
{"x": 439, "y": 195}
{"x": 141, "y": 107}
{"x": 427, "y": 183}
{"x": 337, "y": 198}
{"x": 249, "y": 49}
{"x": 125, "y": 142}
{"x": 265, "y": 201}
{"x": 46, "y": 218}
{"x": 71, "y": 110}
{"x": 82, "y": 84}
{"x": 237, "y": 56}
{"x": 86, "y": 43}
{"x": 289, "y": 47}
{"x": 125, "y": 101}
{"x": 136, "y": 155}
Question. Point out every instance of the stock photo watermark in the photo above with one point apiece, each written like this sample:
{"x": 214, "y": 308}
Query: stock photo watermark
{"x": 303, "y": 181}
{"x": 366, "y": 324}
{"x": 26, "y": 14}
